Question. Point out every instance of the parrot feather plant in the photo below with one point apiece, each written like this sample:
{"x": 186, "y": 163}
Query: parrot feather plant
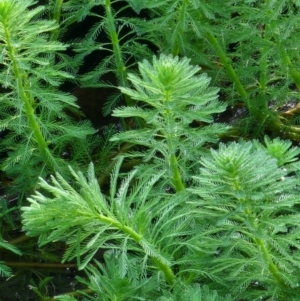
{"x": 171, "y": 95}
{"x": 33, "y": 112}
{"x": 231, "y": 233}
{"x": 139, "y": 218}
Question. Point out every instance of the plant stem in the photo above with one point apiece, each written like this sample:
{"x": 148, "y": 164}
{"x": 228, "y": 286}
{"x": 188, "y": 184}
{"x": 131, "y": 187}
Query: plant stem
{"x": 271, "y": 123}
{"x": 56, "y": 16}
{"x": 19, "y": 239}
{"x": 28, "y": 100}
{"x": 294, "y": 74}
{"x": 266, "y": 255}
{"x": 121, "y": 69}
{"x": 176, "y": 176}
{"x": 169, "y": 136}
{"x": 264, "y": 68}
{"x": 169, "y": 275}
{"x": 227, "y": 64}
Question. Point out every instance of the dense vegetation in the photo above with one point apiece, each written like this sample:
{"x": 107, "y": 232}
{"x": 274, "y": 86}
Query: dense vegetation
{"x": 191, "y": 192}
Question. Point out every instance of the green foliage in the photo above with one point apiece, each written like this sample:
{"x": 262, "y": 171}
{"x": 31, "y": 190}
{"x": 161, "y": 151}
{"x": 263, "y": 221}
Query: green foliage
{"x": 179, "y": 27}
{"x": 171, "y": 96}
{"x": 40, "y": 287}
{"x": 111, "y": 282}
{"x": 197, "y": 220}
{"x": 68, "y": 12}
{"x": 120, "y": 278}
{"x": 192, "y": 293}
{"x": 251, "y": 44}
{"x": 123, "y": 221}
{"x": 156, "y": 227}
{"x": 282, "y": 151}
{"x": 33, "y": 110}
{"x": 238, "y": 218}
{"x": 248, "y": 207}
{"x": 5, "y": 271}
{"x": 123, "y": 49}
{"x": 4, "y": 244}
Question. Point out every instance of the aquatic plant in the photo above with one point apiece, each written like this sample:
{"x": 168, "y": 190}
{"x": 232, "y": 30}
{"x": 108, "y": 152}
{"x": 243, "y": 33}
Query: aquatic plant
{"x": 237, "y": 215}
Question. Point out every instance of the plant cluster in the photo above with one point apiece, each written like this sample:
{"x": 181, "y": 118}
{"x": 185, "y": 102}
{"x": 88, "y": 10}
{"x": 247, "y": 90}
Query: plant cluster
{"x": 187, "y": 213}
{"x": 237, "y": 215}
{"x": 34, "y": 113}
